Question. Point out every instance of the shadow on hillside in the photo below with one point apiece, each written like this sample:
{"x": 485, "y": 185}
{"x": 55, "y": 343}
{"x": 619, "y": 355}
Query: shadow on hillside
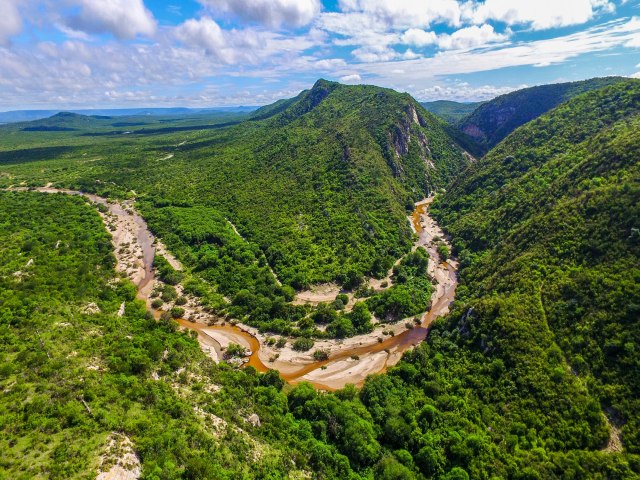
{"x": 32, "y": 154}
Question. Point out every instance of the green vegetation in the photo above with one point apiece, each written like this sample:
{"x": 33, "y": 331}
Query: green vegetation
{"x": 410, "y": 293}
{"x": 319, "y": 188}
{"x": 451, "y": 111}
{"x": 494, "y": 120}
{"x": 523, "y": 380}
{"x": 72, "y": 371}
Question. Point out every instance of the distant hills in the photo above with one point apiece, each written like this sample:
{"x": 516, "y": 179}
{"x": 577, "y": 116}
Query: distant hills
{"x": 29, "y": 115}
{"x": 451, "y": 111}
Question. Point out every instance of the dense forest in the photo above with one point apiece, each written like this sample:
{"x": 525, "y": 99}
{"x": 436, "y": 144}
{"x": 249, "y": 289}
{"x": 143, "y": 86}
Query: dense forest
{"x": 534, "y": 374}
{"x": 486, "y": 126}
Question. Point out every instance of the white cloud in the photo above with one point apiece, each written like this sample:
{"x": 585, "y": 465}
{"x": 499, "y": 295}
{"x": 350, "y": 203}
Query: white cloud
{"x": 374, "y": 54}
{"x": 462, "y": 92}
{"x": 353, "y": 78}
{"x": 407, "y": 13}
{"x": 538, "y": 53}
{"x": 418, "y": 37}
{"x": 249, "y": 46}
{"x": 634, "y": 42}
{"x": 203, "y": 33}
{"x": 10, "y": 20}
{"x": 635, "y": 75}
{"x": 125, "y": 19}
{"x": 272, "y": 13}
{"x": 330, "y": 64}
{"x": 540, "y": 14}
{"x": 470, "y": 37}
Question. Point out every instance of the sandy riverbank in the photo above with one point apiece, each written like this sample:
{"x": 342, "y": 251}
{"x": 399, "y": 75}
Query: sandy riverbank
{"x": 351, "y": 360}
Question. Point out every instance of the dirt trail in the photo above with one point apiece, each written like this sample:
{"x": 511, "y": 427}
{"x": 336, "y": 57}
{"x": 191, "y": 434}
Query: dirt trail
{"x": 350, "y": 361}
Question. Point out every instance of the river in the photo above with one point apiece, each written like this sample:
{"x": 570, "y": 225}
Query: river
{"x": 350, "y": 360}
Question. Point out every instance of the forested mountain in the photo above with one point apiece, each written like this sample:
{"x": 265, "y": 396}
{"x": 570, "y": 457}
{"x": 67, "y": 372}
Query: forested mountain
{"x": 320, "y": 183}
{"x": 451, "y": 111}
{"x": 546, "y": 318}
{"x": 492, "y": 121}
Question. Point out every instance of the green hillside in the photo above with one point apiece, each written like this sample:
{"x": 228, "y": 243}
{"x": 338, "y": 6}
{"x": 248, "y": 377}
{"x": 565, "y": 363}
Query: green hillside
{"x": 546, "y": 228}
{"x": 494, "y": 120}
{"x": 321, "y": 186}
{"x": 451, "y": 111}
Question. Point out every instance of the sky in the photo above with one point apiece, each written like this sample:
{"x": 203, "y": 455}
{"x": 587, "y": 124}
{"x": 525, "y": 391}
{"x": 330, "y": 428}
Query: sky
{"x": 62, "y": 54}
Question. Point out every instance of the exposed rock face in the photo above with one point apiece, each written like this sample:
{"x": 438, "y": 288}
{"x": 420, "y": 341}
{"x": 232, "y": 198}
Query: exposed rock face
{"x": 254, "y": 420}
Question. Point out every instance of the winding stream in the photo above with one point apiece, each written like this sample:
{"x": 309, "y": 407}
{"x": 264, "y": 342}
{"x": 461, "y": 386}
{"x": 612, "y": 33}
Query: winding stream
{"x": 350, "y": 360}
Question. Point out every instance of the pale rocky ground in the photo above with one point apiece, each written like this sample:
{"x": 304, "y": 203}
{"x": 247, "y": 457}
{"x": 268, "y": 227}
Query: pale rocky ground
{"x": 119, "y": 461}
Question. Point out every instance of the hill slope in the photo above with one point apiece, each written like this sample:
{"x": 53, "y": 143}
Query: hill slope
{"x": 494, "y": 120}
{"x": 546, "y": 226}
{"x": 321, "y": 184}
{"x": 451, "y": 111}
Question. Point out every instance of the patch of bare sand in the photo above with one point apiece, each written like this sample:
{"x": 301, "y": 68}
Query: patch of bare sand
{"x": 325, "y": 292}
{"x": 336, "y": 375}
{"x": 226, "y": 337}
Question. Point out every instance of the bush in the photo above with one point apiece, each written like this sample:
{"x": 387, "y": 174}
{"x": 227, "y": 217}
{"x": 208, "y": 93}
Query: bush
{"x": 181, "y": 300}
{"x": 169, "y": 293}
{"x": 157, "y": 303}
{"x": 234, "y": 350}
{"x": 281, "y": 342}
{"x": 176, "y": 312}
{"x": 443, "y": 251}
{"x": 320, "y": 355}
{"x": 302, "y": 344}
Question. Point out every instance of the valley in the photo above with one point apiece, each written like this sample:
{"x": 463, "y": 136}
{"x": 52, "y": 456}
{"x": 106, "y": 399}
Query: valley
{"x": 350, "y": 361}
{"x": 337, "y": 285}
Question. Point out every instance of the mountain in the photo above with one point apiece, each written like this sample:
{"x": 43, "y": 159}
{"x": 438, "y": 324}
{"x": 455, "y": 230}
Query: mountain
{"x": 546, "y": 230}
{"x": 317, "y": 187}
{"x": 492, "y": 121}
{"x": 451, "y": 111}
{"x": 321, "y": 183}
{"x": 534, "y": 374}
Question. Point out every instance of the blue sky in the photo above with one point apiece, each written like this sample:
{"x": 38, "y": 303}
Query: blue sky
{"x": 203, "y": 53}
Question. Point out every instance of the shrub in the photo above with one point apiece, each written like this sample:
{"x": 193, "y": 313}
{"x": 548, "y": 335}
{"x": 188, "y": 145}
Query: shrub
{"x": 234, "y": 350}
{"x": 302, "y": 344}
{"x": 320, "y": 355}
{"x": 177, "y": 312}
{"x": 157, "y": 303}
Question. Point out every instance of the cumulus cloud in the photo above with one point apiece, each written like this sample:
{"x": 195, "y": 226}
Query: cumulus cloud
{"x": 204, "y": 33}
{"x": 539, "y": 14}
{"x": 353, "y": 78}
{"x": 418, "y": 37}
{"x": 470, "y": 37}
{"x": 125, "y": 19}
{"x": 407, "y": 13}
{"x": 537, "y": 53}
{"x": 245, "y": 46}
{"x": 10, "y": 20}
{"x": 463, "y": 92}
{"x": 272, "y": 13}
